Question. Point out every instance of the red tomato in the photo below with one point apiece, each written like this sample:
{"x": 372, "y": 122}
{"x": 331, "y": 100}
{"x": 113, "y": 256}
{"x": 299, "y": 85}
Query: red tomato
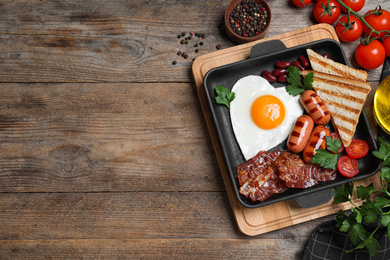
{"x": 379, "y": 19}
{"x": 370, "y": 56}
{"x": 348, "y": 166}
{"x": 386, "y": 44}
{"x": 357, "y": 149}
{"x": 327, "y": 11}
{"x": 336, "y": 135}
{"x": 349, "y": 28}
{"x": 301, "y": 3}
{"x": 355, "y": 5}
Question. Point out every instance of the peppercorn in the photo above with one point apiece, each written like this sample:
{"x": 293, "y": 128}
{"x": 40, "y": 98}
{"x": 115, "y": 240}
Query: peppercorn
{"x": 247, "y": 18}
{"x": 179, "y": 53}
{"x": 174, "y": 62}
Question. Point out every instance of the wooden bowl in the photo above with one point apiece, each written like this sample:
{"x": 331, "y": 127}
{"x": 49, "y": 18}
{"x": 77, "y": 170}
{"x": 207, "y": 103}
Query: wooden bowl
{"x": 235, "y": 37}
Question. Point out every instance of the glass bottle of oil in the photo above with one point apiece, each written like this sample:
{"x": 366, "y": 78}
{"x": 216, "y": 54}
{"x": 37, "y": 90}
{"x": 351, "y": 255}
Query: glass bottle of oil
{"x": 382, "y": 105}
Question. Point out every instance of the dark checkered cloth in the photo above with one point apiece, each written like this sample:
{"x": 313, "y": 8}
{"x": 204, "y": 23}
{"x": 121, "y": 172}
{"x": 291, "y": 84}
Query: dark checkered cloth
{"x": 327, "y": 243}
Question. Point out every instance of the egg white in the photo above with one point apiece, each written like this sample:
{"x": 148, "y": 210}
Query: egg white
{"x": 249, "y": 136}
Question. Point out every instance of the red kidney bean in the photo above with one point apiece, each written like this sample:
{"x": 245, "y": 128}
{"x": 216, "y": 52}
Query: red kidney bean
{"x": 269, "y": 76}
{"x": 304, "y": 61}
{"x": 282, "y": 64}
{"x": 279, "y": 71}
{"x": 298, "y": 65}
{"x": 282, "y": 78}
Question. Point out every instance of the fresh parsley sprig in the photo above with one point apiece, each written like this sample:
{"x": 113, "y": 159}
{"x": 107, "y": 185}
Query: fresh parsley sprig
{"x": 372, "y": 210}
{"x": 296, "y": 84}
{"x": 224, "y": 96}
{"x": 327, "y": 158}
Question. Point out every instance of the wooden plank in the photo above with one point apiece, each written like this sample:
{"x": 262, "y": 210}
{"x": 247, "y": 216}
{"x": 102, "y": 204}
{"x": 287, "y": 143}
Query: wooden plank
{"x": 113, "y": 41}
{"x": 127, "y": 215}
{"x": 104, "y": 137}
{"x": 151, "y": 249}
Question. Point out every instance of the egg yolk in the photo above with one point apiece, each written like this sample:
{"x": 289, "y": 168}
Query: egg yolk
{"x": 268, "y": 112}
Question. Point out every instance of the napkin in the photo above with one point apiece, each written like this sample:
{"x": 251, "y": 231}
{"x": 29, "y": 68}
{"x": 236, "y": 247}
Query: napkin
{"x": 327, "y": 243}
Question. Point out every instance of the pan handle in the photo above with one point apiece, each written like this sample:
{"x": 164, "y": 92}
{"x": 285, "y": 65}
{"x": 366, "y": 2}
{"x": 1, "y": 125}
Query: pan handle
{"x": 267, "y": 47}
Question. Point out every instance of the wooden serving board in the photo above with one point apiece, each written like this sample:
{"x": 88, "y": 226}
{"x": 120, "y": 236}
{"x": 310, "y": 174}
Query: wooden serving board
{"x": 282, "y": 214}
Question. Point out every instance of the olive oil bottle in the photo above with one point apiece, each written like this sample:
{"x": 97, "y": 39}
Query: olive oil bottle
{"x": 382, "y": 105}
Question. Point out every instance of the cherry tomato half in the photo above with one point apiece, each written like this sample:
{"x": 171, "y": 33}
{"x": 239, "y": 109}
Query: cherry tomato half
{"x": 370, "y": 56}
{"x": 357, "y": 149}
{"x": 355, "y": 5}
{"x": 347, "y": 166}
{"x": 336, "y": 135}
{"x": 301, "y": 3}
{"x": 349, "y": 28}
{"x": 379, "y": 22}
{"x": 386, "y": 44}
{"x": 326, "y": 11}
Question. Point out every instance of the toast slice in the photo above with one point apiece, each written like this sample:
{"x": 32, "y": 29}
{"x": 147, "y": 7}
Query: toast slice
{"x": 322, "y": 64}
{"x": 344, "y": 98}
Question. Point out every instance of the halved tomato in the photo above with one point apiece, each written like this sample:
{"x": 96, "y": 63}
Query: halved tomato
{"x": 357, "y": 149}
{"x": 348, "y": 166}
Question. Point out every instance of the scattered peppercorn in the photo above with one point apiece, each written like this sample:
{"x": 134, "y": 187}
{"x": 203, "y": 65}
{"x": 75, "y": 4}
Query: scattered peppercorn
{"x": 218, "y": 47}
{"x": 201, "y": 43}
{"x": 174, "y": 62}
{"x": 183, "y": 34}
{"x": 197, "y": 50}
{"x": 195, "y": 45}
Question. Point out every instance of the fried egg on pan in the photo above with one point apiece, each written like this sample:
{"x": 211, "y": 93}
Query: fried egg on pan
{"x": 261, "y": 115}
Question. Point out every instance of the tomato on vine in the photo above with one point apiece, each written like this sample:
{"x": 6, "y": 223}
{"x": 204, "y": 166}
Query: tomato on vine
{"x": 355, "y": 5}
{"x": 327, "y": 11}
{"x": 379, "y": 20}
{"x": 301, "y": 3}
{"x": 386, "y": 45}
{"x": 349, "y": 28}
{"x": 370, "y": 56}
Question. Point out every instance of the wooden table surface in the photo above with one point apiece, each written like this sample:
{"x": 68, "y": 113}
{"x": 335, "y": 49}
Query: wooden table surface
{"x": 104, "y": 150}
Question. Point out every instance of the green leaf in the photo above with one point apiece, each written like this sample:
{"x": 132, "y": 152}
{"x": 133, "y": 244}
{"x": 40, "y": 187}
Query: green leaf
{"x": 385, "y": 174}
{"x": 385, "y": 220}
{"x": 346, "y": 225}
{"x": 364, "y": 192}
{"x": 333, "y": 144}
{"x": 384, "y": 150}
{"x": 358, "y": 215}
{"x": 224, "y": 96}
{"x": 373, "y": 245}
{"x": 342, "y": 193}
{"x": 357, "y": 233}
{"x": 381, "y": 202}
{"x": 308, "y": 81}
{"x": 325, "y": 159}
{"x": 294, "y": 90}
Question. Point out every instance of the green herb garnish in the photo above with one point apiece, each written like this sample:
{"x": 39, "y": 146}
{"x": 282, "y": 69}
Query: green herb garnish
{"x": 371, "y": 210}
{"x": 296, "y": 85}
{"x": 224, "y": 96}
{"x": 327, "y": 158}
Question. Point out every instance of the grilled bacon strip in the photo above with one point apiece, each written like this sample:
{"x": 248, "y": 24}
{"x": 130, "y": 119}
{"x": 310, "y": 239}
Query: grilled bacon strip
{"x": 270, "y": 173}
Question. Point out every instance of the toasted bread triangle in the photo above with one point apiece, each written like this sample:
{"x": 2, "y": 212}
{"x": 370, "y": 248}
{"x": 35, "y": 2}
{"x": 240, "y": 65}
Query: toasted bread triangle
{"x": 344, "y": 98}
{"x": 322, "y": 64}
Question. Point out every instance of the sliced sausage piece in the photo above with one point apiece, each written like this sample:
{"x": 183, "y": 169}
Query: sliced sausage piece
{"x": 315, "y": 107}
{"x": 300, "y": 133}
{"x": 316, "y": 141}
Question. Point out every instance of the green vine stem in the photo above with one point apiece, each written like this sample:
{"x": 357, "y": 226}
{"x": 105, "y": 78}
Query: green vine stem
{"x": 361, "y": 17}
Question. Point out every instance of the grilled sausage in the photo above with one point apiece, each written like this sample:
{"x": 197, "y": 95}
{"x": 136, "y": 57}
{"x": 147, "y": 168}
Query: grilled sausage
{"x": 316, "y": 141}
{"x": 315, "y": 107}
{"x": 300, "y": 133}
